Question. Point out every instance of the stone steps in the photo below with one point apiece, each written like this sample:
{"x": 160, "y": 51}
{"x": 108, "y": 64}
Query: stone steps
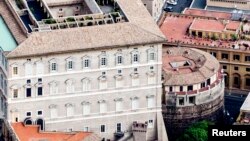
{"x": 11, "y": 22}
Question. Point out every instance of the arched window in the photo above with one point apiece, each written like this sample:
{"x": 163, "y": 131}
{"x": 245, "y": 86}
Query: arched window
{"x": 86, "y": 108}
{"x": 135, "y": 56}
{"x": 70, "y": 64}
{"x": 28, "y": 121}
{"x": 86, "y": 62}
{"x": 53, "y": 66}
{"x": 134, "y": 103}
{"x": 69, "y": 110}
{"x": 151, "y": 101}
{"x": 151, "y": 54}
{"x": 53, "y": 111}
{"x": 53, "y": 87}
{"x": 70, "y": 86}
{"x": 41, "y": 123}
{"x": 118, "y": 104}
{"x": 86, "y": 85}
{"x": 103, "y": 106}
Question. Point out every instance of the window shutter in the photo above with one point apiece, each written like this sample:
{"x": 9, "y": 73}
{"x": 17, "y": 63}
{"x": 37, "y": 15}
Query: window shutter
{"x": 151, "y": 102}
{"x": 86, "y": 109}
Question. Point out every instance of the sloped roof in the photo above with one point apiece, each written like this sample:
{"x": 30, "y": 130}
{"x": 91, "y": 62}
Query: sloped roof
{"x": 141, "y": 29}
{"x": 34, "y": 134}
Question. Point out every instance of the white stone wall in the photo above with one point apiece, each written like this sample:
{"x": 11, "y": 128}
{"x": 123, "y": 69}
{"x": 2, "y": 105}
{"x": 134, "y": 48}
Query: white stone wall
{"x": 19, "y": 106}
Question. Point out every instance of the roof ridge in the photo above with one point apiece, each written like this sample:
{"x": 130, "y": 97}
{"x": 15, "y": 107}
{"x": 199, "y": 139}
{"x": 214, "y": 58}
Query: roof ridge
{"x": 149, "y": 31}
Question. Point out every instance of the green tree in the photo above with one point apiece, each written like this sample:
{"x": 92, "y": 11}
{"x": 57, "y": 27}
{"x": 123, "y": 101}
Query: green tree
{"x": 196, "y": 132}
{"x": 234, "y": 37}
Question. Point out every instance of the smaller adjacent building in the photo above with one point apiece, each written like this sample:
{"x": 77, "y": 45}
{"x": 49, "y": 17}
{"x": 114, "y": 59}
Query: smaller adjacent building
{"x": 154, "y": 7}
{"x": 244, "y": 116}
{"x": 215, "y": 29}
{"x": 239, "y": 4}
{"x": 193, "y": 88}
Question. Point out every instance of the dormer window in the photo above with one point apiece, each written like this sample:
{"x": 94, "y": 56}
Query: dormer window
{"x": 135, "y": 56}
{"x": 119, "y": 58}
{"x": 53, "y": 65}
{"x": 70, "y": 64}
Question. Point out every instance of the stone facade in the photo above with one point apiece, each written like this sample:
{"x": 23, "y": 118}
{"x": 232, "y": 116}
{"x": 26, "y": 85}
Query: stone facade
{"x": 64, "y": 94}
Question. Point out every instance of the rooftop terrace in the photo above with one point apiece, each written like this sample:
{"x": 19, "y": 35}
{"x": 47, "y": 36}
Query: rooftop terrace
{"x": 46, "y": 15}
{"x": 176, "y": 28}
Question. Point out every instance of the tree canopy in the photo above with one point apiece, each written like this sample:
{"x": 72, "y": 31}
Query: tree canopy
{"x": 196, "y": 132}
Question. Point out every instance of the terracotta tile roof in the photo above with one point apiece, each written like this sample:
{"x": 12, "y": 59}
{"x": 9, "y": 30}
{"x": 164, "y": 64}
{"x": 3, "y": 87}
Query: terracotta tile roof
{"x": 233, "y": 25}
{"x": 207, "y": 25}
{"x": 202, "y": 66}
{"x": 207, "y": 13}
{"x": 175, "y": 28}
{"x": 141, "y": 29}
{"x": 31, "y": 132}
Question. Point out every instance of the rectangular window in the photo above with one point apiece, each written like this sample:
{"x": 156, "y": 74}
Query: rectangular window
{"x": 103, "y": 61}
{"x": 53, "y": 66}
{"x": 119, "y": 60}
{"x": 135, "y": 58}
{"x": 150, "y": 123}
{"x": 15, "y": 70}
{"x": 236, "y": 68}
{"x": 135, "y": 70}
{"x": 190, "y": 88}
{"x": 28, "y": 81}
{"x": 28, "y": 114}
{"x": 224, "y": 67}
{"x": 15, "y": 93}
{"x": 53, "y": 113}
{"x": 86, "y": 63}
{"x": 236, "y": 57}
{"x": 192, "y": 100}
{"x": 119, "y": 71}
{"x": 170, "y": 89}
{"x": 151, "y": 102}
{"x": 224, "y": 56}
{"x": 40, "y": 91}
{"x": 86, "y": 109}
{"x": 247, "y": 58}
{"x": 103, "y": 129}
{"x": 86, "y": 129}
{"x": 151, "y": 79}
{"x": 118, "y": 106}
{"x": 203, "y": 84}
{"x": 40, "y": 112}
{"x": 181, "y": 88}
{"x": 248, "y": 82}
{"x": 70, "y": 111}
{"x": 28, "y": 69}
{"x": 151, "y": 56}
{"x": 213, "y": 54}
{"x": 248, "y": 69}
{"x": 103, "y": 107}
{"x": 28, "y": 92}
{"x": 118, "y": 127}
{"x": 118, "y": 83}
{"x": 103, "y": 85}
{"x": 40, "y": 80}
{"x": 135, "y": 104}
{"x": 208, "y": 81}
{"x": 135, "y": 82}
{"x": 70, "y": 65}
{"x": 181, "y": 101}
{"x": 39, "y": 68}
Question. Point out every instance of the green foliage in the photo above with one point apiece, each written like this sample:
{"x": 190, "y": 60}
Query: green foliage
{"x": 214, "y": 37}
{"x": 49, "y": 21}
{"x": 70, "y": 19}
{"x": 234, "y": 37}
{"x": 196, "y": 132}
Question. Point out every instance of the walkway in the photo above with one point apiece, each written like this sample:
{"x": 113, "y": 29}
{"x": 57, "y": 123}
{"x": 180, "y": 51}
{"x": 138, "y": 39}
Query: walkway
{"x": 18, "y": 34}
